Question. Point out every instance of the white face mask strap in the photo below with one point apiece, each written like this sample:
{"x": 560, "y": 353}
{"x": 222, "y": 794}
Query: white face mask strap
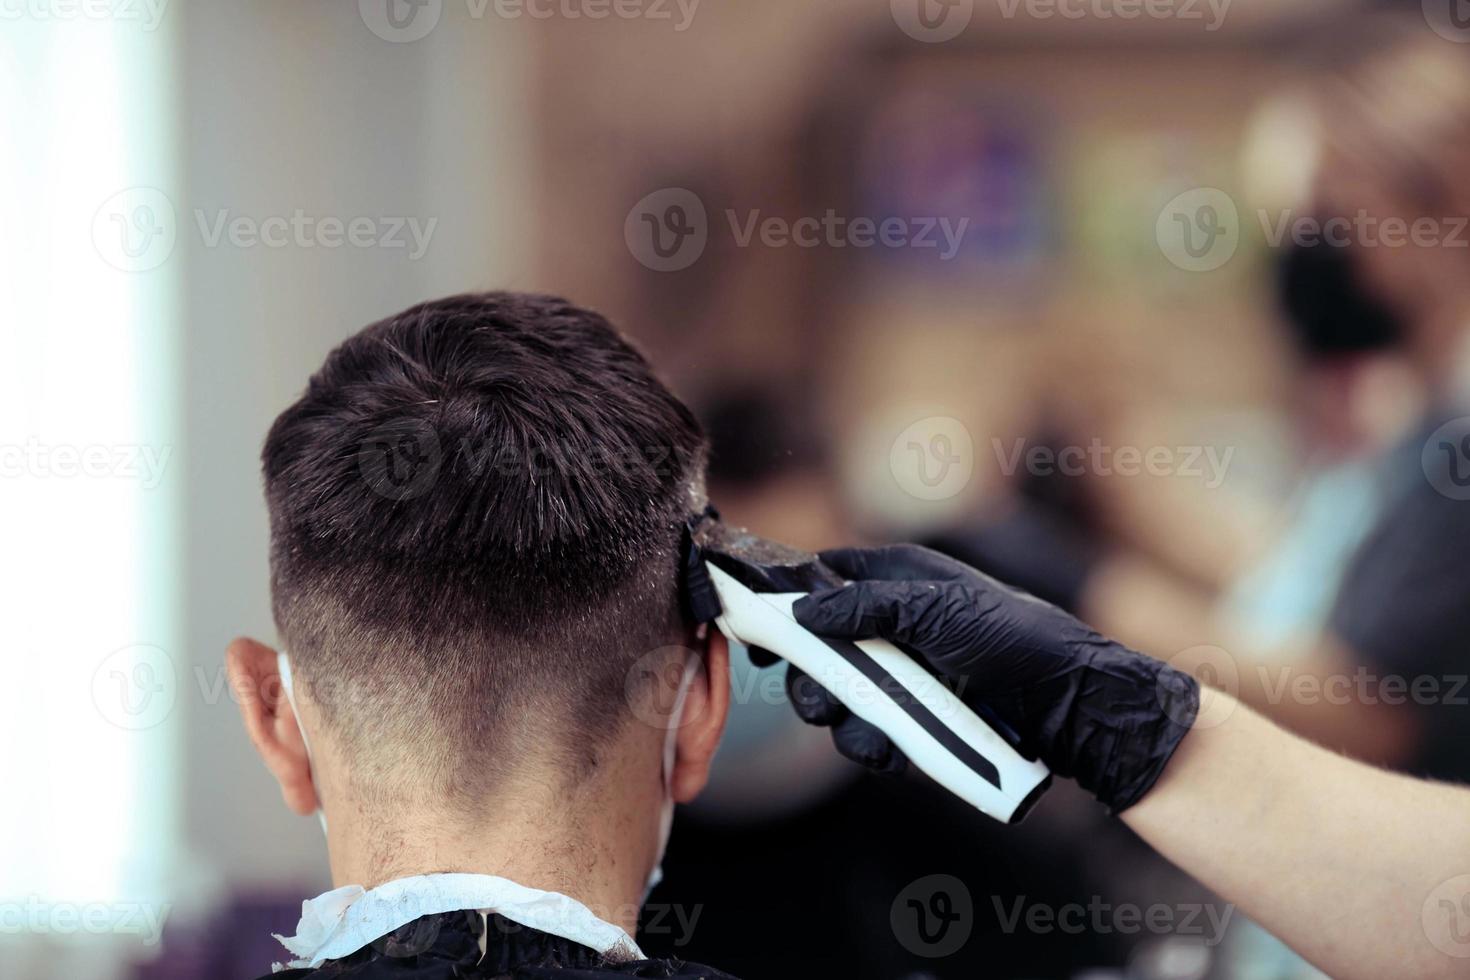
{"x": 283, "y": 667}
{"x": 671, "y": 754}
{"x": 676, "y": 719}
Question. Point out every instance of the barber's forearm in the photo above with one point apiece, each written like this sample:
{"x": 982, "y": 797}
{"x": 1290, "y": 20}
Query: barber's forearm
{"x": 1309, "y": 690}
{"x": 1336, "y": 858}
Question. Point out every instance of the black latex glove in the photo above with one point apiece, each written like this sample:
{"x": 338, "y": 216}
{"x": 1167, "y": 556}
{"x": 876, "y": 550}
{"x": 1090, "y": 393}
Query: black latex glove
{"x": 1091, "y": 709}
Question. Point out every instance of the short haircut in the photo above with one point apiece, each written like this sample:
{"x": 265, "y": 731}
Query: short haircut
{"x": 475, "y": 510}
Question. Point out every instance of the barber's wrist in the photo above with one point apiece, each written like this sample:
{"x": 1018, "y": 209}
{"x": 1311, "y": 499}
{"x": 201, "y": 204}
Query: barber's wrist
{"x": 1191, "y": 776}
{"x": 1179, "y": 702}
{"x": 1118, "y": 720}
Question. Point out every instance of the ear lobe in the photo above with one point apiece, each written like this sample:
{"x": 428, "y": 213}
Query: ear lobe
{"x": 270, "y": 722}
{"x": 706, "y": 708}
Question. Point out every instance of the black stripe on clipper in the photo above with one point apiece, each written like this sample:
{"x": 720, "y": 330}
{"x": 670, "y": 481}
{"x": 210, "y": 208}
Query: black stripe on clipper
{"x": 916, "y": 710}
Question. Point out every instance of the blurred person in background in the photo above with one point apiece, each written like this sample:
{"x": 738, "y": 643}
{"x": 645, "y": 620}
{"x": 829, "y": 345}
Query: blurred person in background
{"x": 1367, "y": 573}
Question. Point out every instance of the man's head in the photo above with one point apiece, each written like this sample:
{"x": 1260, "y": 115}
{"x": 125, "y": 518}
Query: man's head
{"x": 476, "y": 510}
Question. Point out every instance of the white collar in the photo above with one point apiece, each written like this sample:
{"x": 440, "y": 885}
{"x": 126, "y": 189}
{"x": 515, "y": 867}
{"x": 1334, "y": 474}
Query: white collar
{"x": 344, "y": 920}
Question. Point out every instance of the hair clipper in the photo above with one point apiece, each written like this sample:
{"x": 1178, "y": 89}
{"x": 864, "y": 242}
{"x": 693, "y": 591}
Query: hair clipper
{"x": 747, "y": 585}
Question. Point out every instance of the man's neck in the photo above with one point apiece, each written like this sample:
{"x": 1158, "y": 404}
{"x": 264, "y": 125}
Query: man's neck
{"x": 597, "y": 849}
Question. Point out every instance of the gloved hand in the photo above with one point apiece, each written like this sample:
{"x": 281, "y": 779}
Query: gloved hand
{"x": 1091, "y": 709}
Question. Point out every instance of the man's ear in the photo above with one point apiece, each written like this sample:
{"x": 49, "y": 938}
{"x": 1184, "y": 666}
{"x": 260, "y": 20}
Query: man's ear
{"x": 270, "y": 722}
{"x": 706, "y": 707}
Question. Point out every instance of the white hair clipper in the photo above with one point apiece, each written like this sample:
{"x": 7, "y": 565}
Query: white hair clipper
{"x": 757, "y": 581}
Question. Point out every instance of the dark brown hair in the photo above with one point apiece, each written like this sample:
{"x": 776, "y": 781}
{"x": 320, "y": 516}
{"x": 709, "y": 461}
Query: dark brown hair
{"x": 475, "y": 514}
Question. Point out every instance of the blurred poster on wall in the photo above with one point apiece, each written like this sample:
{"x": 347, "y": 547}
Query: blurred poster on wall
{"x": 976, "y": 168}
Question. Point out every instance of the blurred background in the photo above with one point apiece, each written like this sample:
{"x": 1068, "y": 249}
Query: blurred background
{"x": 1034, "y": 281}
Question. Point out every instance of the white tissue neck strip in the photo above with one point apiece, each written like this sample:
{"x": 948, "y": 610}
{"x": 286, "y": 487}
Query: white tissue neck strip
{"x": 344, "y": 920}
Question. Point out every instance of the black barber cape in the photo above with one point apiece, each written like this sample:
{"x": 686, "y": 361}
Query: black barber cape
{"x": 447, "y": 945}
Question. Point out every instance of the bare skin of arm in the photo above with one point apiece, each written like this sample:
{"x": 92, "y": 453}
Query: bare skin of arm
{"x": 1355, "y": 868}
{"x": 1313, "y": 690}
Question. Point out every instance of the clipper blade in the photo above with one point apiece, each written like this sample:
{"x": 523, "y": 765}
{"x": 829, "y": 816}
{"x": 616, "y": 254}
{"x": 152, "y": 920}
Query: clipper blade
{"x": 759, "y": 564}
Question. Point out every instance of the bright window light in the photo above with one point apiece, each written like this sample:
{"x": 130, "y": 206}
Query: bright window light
{"x": 93, "y": 678}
